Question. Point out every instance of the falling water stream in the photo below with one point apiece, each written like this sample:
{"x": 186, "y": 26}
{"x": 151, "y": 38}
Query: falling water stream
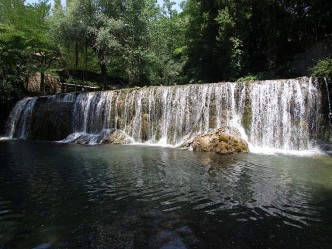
{"x": 272, "y": 115}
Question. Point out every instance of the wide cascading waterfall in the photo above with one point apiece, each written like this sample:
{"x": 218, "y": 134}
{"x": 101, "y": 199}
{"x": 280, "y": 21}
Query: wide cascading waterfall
{"x": 280, "y": 114}
{"x": 169, "y": 115}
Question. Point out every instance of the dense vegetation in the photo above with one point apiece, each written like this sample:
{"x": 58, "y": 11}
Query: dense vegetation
{"x": 139, "y": 42}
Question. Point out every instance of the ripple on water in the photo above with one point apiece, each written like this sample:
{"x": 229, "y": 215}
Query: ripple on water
{"x": 110, "y": 196}
{"x": 8, "y": 222}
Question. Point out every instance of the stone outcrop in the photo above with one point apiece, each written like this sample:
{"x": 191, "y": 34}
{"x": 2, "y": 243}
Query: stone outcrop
{"x": 117, "y": 137}
{"x": 220, "y": 142}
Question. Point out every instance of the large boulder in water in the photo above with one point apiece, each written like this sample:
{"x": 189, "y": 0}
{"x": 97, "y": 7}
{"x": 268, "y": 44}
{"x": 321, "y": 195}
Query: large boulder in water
{"x": 117, "y": 137}
{"x": 220, "y": 142}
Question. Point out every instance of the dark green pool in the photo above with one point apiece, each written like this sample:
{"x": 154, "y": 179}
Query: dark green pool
{"x": 71, "y": 196}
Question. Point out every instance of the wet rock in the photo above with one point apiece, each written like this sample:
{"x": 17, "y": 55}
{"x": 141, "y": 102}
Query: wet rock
{"x": 117, "y": 137}
{"x": 220, "y": 142}
{"x": 51, "y": 121}
{"x": 81, "y": 141}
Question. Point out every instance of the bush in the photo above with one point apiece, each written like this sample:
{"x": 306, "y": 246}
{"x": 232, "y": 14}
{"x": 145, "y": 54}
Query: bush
{"x": 249, "y": 77}
{"x": 323, "y": 68}
{"x": 255, "y": 77}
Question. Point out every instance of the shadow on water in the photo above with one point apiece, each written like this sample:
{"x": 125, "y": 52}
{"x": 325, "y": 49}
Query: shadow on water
{"x": 69, "y": 196}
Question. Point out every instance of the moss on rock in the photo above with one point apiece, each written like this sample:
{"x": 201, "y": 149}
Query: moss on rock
{"x": 220, "y": 142}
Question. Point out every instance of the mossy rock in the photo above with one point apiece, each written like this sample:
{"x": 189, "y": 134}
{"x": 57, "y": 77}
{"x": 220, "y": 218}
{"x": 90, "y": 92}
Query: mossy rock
{"x": 117, "y": 137}
{"x": 220, "y": 143}
{"x": 223, "y": 138}
{"x": 145, "y": 127}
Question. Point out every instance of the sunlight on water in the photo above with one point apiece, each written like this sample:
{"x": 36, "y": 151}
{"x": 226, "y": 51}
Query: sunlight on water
{"x": 108, "y": 196}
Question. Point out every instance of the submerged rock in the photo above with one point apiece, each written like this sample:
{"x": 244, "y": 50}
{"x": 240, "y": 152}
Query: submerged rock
{"x": 220, "y": 142}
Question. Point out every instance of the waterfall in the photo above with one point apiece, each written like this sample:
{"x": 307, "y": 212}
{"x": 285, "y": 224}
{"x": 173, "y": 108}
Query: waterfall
{"x": 329, "y": 102}
{"x": 279, "y": 115}
{"x": 276, "y": 114}
{"x": 18, "y": 124}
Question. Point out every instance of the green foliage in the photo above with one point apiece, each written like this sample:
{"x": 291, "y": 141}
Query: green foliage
{"x": 248, "y": 78}
{"x": 168, "y": 43}
{"x": 258, "y": 76}
{"x": 323, "y": 68}
{"x": 87, "y": 26}
{"x": 25, "y": 46}
{"x": 140, "y": 42}
{"x": 227, "y": 39}
{"x": 135, "y": 40}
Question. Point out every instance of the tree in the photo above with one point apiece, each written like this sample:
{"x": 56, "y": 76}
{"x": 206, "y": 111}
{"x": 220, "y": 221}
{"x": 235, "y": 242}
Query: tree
{"x": 168, "y": 43}
{"x": 149, "y": 41}
{"x": 201, "y": 40}
{"x": 92, "y": 24}
{"x": 25, "y": 45}
{"x": 233, "y": 32}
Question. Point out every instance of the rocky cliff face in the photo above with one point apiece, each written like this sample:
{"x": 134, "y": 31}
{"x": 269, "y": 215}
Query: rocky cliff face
{"x": 50, "y": 120}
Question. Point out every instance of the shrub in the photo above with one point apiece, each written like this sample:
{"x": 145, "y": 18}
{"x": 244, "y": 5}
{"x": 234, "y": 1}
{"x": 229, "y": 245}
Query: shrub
{"x": 249, "y": 77}
{"x": 323, "y": 68}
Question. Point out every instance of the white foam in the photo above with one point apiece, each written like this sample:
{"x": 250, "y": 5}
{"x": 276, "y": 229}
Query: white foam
{"x": 70, "y": 137}
{"x": 273, "y": 151}
{"x": 160, "y": 143}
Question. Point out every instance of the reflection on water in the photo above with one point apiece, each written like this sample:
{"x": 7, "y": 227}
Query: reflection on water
{"x": 70, "y": 196}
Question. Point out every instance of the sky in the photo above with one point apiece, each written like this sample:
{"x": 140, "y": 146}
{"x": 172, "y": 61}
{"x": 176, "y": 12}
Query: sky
{"x": 64, "y": 1}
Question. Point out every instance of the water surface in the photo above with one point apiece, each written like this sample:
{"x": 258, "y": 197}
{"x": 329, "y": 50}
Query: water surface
{"x": 106, "y": 196}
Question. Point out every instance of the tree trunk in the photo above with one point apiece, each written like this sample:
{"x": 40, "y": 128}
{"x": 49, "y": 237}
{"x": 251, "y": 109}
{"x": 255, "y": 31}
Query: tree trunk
{"x": 103, "y": 73}
{"x": 76, "y": 55}
{"x": 42, "y": 82}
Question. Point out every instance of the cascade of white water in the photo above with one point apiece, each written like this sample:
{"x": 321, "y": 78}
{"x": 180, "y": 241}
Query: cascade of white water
{"x": 126, "y": 111}
{"x": 151, "y": 117}
{"x": 15, "y": 116}
{"x": 81, "y": 111}
{"x": 229, "y": 103}
{"x": 92, "y": 114}
{"x": 19, "y": 121}
{"x": 166, "y": 112}
{"x": 281, "y": 114}
{"x": 106, "y": 108}
{"x": 116, "y": 110}
{"x": 169, "y": 114}
{"x": 26, "y": 119}
{"x": 314, "y": 106}
{"x": 137, "y": 119}
{"x": 329, "y": 103}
